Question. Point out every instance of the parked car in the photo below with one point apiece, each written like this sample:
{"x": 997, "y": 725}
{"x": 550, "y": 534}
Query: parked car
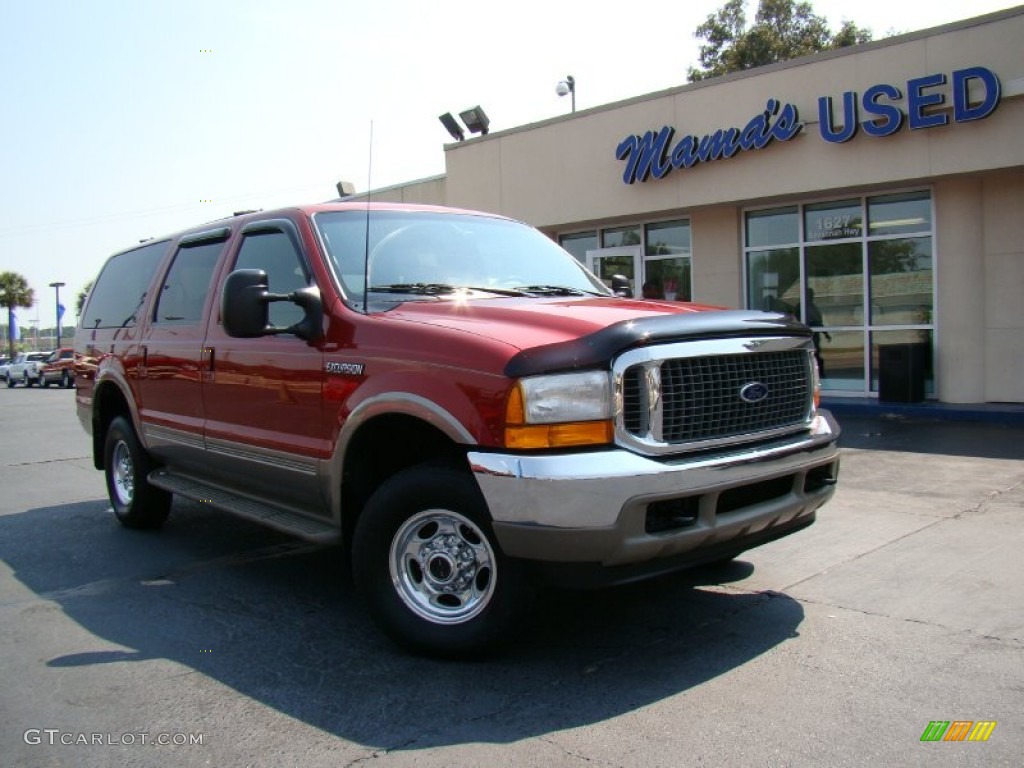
{"x": 27, "y": 369}
{"x": 60, "y": 368}
{"x": 5, "y": 365}
{"x": 453, "y": 397}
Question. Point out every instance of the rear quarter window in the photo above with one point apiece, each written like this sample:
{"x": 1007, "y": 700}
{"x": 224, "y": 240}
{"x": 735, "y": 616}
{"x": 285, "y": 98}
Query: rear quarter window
{"x": 117, "y": 298}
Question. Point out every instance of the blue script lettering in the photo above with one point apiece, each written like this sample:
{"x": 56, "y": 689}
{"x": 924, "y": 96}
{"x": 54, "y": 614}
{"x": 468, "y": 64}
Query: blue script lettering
{"x": 646, "y": 155}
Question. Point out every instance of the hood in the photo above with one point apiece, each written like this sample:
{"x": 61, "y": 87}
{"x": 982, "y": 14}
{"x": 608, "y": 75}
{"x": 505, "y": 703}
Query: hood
{"x": 530, "y": 322}
{"x": 566, "y": 334}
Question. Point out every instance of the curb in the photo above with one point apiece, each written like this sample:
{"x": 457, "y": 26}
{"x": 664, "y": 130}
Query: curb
{"x": 991, "y": 413}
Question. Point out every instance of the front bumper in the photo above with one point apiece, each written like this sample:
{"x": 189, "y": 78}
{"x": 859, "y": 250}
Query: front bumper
{"x": 599, "y": 507}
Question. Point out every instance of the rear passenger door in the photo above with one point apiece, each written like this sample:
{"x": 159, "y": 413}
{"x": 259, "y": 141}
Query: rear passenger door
{"x": 171, "y": 354}
{"x": 264, "y": 420}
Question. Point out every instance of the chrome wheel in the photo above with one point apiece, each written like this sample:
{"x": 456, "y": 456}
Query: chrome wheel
{"x": 123, "y": 473}
{"x": 442, "y": 567}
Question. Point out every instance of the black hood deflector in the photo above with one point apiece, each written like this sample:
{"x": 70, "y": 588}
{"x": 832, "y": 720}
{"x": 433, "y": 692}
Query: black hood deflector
{"x": 598, "y": 348}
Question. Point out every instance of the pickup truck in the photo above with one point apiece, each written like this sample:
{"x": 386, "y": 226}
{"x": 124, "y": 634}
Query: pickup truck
{"x": 27, "y": 369}
{"x": 59, "y": 368}
{"x": 454, "y": 399}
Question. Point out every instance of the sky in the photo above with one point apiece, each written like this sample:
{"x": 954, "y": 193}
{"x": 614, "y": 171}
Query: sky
{"x": 129, "y": 119}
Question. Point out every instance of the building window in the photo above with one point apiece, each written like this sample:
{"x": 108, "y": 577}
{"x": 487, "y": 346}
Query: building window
{"x": 666, "y": 266}
{"x": 578, "y": 244}
{"x": 620, "y": 236}
{"x": 668, "y": 272}
{"x": 859, "y": 271}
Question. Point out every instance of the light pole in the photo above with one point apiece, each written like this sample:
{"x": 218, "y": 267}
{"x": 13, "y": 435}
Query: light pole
{"x": 567, "y": 86}
{"x": 60, "y": 314}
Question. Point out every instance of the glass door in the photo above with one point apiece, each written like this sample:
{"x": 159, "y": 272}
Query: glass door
{"x": 624, "y": 261}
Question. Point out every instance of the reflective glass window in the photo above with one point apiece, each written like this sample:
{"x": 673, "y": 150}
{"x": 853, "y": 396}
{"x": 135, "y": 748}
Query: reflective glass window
{"x": 777, "y": 226}
{"x": 901, "y": 281}
{"x": 835, "y": 285}
{"x": 578, "y": 244}
{"x": 183, "y": 293}
{"x": 898, "y": 214}
{"x": 614, "y": 238}
{"x": 773, "y": 280}
{"x": 121, "y": 287}
{"x": 669, "y": 279}
{"x": 833, "y": 221}
{"x": 841, "y": 359}
{"x": 668, "y": 238}
{"x": 275, "y": 254}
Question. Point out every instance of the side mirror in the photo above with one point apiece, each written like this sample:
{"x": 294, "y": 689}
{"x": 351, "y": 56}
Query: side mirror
{"x": 245, "y": 307}
{"x": 621, "y": 287}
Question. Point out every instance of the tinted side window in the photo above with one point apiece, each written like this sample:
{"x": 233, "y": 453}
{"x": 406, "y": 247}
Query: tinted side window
{"x": 120, "y": 289}
{"x": 274, "y": 253}
{"x": 187, "y": 283}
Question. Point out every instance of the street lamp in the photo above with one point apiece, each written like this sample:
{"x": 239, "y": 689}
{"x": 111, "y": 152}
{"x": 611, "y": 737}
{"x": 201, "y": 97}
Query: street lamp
{"x": 60, "y": 309}
{"x": 567, "y": 86}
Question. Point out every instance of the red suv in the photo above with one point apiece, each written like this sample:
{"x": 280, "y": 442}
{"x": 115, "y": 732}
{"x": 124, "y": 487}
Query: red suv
{"x": 451, "y": 396}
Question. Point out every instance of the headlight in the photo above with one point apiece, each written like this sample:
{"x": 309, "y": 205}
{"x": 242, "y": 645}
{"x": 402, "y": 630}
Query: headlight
{"x": 560, "y": 411}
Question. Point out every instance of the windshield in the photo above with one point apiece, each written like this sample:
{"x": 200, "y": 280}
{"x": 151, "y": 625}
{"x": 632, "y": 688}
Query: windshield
{"x": 422, "y": 256}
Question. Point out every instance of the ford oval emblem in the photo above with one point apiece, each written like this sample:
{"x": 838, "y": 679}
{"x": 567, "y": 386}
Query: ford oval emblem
{"x": 754, "y": 392}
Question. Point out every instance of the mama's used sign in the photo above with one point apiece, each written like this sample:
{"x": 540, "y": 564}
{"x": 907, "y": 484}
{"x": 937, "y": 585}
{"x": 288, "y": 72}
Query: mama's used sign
{"x": 877, "y": 112}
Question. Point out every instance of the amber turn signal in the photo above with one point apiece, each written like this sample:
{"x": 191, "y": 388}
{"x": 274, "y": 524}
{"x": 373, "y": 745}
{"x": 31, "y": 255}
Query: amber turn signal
{"x": 535, "y": 436}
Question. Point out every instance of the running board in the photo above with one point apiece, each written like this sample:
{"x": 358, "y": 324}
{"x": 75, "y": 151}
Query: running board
{"x": 261, "y": 512}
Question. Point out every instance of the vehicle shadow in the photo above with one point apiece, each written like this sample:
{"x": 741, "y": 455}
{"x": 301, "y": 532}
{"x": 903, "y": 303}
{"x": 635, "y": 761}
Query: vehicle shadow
{"x": 953, "y": 438}
{"x": 277, "y": 620}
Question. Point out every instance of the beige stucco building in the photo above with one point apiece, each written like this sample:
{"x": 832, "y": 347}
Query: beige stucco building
{"x": 908, "y": 231}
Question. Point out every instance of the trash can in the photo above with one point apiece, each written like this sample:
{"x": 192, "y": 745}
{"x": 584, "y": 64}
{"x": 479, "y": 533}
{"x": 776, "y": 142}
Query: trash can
{"x": 901, "y": 372}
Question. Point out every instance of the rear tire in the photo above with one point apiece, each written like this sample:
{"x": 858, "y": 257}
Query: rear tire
{"x": 136, "y": 503}
{"x": 426, "y": 562}
{"x": 65, "y": 379}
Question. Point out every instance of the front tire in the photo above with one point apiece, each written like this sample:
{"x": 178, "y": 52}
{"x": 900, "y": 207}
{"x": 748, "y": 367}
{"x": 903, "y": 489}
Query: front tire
{"x": 426, "y": 562}
{"x": 136, "y": 503}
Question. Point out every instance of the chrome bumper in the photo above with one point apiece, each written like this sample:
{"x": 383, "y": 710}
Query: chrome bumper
{"x": 592, "y": 507}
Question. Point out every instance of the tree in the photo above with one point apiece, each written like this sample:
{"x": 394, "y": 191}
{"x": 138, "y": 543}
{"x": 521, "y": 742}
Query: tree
{"x": 80, "y": 301}
{"x": 14, "y": 292}
{"x": 782, "y": 30}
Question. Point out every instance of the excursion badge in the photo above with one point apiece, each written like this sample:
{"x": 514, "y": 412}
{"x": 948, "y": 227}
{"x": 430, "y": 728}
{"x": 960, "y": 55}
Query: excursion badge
{"x": 345, "y": 369}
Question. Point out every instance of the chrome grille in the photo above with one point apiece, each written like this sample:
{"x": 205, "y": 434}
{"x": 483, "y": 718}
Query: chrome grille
{"x": 700, "y": 397}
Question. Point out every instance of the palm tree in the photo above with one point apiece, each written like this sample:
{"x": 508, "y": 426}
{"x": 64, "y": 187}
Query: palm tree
{"x": 14, "y": 292}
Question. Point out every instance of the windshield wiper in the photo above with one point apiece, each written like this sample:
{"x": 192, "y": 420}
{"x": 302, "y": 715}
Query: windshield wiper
{"x": 499, "y": 291}
{"x": 553, "y": 290}
{"x": 437, "y": 289}
{"x": 440, "y": 289}
{"x": 427, "y": 289}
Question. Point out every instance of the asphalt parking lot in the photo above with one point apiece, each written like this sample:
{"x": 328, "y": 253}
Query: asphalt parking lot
{"x": 215, "y": 642}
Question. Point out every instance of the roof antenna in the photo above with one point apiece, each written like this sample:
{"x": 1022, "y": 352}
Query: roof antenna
{"x": 366, "y": 244}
